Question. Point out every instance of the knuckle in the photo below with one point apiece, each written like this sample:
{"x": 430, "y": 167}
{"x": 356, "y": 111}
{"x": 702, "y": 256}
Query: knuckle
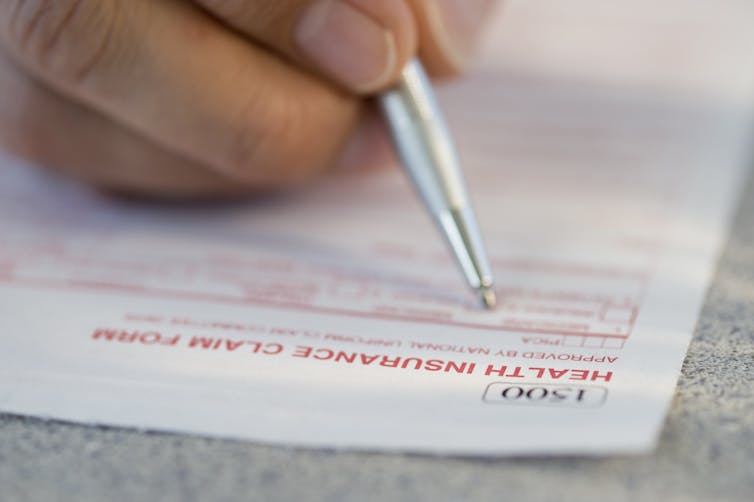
{"x": 65, "y": 38}
{"x": 273, "y": 146}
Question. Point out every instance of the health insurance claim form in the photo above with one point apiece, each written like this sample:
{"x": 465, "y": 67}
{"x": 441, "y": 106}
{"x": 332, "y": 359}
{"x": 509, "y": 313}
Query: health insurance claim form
{"x": 604, "y": 144}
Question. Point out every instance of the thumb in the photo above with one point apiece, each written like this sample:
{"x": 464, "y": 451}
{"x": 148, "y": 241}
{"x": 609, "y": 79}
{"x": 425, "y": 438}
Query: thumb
{"x": 448, "y": 31}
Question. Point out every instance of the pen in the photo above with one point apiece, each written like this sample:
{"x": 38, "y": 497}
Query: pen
{"x": 427, "y": 152}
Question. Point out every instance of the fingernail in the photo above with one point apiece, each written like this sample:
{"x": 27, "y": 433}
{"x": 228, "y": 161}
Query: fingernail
{"x": 347, "y": 44}
{"x": 456, "y": 24}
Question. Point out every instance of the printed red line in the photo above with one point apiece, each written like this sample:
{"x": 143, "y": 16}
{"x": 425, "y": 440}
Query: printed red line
{"x": 185, "y": 295}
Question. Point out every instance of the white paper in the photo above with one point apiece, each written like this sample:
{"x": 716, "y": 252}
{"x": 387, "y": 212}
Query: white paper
{"x": 603, "y": 144}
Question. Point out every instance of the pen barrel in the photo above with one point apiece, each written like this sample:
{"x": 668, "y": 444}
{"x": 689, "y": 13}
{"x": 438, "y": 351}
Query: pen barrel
{"x": 423, "y": 140}
{"x": 428, "y": 155}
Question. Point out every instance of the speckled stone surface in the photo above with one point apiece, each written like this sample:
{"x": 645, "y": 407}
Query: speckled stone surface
{"x": 706, "y": 451}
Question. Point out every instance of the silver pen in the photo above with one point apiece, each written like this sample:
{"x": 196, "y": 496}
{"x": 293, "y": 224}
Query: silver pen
{"x": 428, "y": 154}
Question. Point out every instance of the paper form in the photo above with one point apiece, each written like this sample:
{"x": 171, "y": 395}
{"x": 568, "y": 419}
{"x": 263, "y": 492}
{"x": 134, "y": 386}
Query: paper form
{"x": 603, "y": 146}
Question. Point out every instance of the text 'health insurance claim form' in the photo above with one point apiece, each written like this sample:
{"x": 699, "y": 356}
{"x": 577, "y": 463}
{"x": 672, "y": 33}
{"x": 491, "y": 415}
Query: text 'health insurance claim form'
{"x": 603, "y": 145}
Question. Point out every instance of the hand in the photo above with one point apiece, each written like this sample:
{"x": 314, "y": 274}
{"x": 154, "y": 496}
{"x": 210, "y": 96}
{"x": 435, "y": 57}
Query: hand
{"x": 181, "y": 98}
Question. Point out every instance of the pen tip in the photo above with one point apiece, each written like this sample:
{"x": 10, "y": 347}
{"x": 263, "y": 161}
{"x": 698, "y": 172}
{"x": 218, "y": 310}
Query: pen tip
{"x": 489, "y": 299}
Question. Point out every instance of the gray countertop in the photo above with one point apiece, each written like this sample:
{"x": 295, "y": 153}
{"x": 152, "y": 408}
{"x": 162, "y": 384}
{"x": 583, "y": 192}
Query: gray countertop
{"x": 706, "y": 451}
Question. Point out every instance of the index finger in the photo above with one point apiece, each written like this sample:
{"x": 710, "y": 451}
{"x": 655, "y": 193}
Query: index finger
{"x": 360, "y": 44}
